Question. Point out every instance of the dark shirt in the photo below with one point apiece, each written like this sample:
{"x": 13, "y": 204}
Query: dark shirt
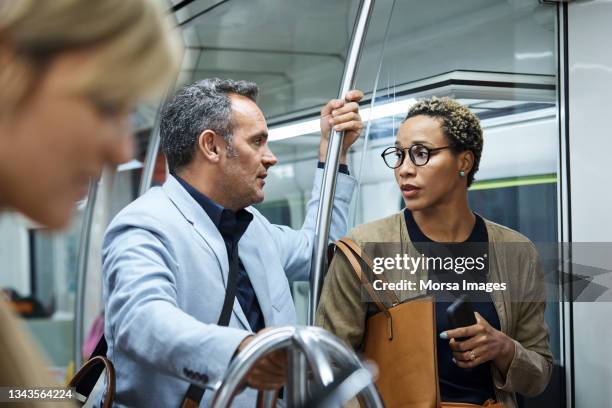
{"x": 232, "y": 226}
{"x": 457, "y": 384}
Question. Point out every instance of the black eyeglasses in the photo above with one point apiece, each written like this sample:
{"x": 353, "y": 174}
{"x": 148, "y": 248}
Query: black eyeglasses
{"x": 394, "y": 156}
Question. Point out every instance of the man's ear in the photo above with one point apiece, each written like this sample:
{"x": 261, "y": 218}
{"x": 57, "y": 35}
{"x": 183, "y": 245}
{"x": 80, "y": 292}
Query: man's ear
{"x": 207, "y": 145}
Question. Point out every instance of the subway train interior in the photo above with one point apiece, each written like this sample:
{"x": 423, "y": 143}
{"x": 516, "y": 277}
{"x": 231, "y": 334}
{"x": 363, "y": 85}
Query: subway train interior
{"x": 538, "y": 74}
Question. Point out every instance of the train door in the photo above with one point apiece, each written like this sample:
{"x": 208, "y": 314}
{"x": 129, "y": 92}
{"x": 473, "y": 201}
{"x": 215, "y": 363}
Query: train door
{"x": 588, "y": 198}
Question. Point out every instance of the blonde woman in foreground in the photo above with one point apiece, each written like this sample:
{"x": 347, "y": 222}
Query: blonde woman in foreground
{"x": 70, "y": 73}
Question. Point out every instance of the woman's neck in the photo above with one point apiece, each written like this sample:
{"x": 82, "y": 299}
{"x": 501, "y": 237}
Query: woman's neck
{"x": 446, "y": 222}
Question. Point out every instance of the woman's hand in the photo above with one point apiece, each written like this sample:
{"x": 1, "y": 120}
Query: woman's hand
{"x": 483, "y": 343}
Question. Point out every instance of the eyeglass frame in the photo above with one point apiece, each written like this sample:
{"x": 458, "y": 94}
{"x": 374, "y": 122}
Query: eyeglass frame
{"x": 409, "y": 148}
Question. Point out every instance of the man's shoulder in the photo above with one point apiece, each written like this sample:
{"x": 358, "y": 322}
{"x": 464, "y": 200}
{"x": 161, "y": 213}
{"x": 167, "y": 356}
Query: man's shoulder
{"x": 385, "y": 229}
{"x": 153, "y": 209}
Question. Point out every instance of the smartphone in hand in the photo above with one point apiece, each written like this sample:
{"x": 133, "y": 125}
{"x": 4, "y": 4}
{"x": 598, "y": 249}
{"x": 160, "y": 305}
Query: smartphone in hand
{"x": 461, "y": 314}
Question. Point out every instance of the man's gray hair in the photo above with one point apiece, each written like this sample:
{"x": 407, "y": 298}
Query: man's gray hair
{"x": 194, "y": 108}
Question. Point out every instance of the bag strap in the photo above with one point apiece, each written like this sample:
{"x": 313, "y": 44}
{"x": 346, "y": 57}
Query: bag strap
{"x": 230, "y": 292}
{"x": 361, "y": 254}
{"x": 351, "y": 256}
{"x": 95, "y": 365}
{"x": 356, "y": 267}
{"x": 195, "y": 393}
{"x": 86, "y": 378}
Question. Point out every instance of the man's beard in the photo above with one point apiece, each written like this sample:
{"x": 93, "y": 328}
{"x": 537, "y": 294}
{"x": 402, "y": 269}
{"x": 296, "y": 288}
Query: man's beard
{"x": 239, "y": 193}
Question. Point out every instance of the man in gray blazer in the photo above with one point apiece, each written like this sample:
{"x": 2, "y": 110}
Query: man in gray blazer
{"x": 166, "y": 256}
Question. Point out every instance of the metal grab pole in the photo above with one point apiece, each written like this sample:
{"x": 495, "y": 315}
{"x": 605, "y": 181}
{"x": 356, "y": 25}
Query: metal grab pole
{"x": 332, "y": 161}
{"x": 151, "y": 156}
{"x": 82, "y": 261}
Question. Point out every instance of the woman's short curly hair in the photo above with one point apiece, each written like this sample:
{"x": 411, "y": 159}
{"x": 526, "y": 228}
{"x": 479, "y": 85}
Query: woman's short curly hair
{"x": 460, "y": 125}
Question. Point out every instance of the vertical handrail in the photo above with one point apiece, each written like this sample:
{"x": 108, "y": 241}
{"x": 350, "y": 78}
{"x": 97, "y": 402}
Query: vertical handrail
{"x": 564, "y": 211}
{"x": 150, "y": 157}
{"x": 82, "y": 260}
{"x": 331, "y": 163}
{"x": 296, "y": 379}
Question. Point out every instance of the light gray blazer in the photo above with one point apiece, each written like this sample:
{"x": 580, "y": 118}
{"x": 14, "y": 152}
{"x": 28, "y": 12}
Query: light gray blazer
{"x": 165, "y": 268}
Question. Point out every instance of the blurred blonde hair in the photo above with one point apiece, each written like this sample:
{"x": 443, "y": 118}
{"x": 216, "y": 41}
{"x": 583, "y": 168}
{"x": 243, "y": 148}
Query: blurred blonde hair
{"x": 133, "y": 53}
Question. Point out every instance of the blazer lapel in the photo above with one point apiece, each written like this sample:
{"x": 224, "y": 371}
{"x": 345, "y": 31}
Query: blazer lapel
{"x": 207, "y": 230}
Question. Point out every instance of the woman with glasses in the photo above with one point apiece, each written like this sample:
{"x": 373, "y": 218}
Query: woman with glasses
{"x": 435, "y": 158}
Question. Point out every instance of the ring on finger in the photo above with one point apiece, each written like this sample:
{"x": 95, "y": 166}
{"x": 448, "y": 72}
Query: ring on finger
{"x": 472, "y": 355}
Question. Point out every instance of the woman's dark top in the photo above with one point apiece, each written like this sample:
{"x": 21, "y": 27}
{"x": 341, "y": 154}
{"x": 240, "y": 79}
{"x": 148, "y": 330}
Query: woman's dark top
{"x": 457, "y": 384}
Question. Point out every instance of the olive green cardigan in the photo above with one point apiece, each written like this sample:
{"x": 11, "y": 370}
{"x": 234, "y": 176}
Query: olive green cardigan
{"x": 520, "y": 307}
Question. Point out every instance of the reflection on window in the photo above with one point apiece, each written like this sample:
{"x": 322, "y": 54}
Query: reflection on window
{"x": 435, "y": 37}
{"x": 53, "y": 269}
{"x": 530, "y": 209}
{"x": 39, "y": 271}
{"x": 277, "y": 212}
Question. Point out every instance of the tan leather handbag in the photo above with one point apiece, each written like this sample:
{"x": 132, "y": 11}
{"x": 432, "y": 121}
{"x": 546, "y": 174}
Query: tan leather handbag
{"x": 401, "y": 340}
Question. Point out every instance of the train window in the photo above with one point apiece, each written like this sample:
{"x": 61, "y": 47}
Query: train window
{"x": 39, "y": 278}
{"x": 423, "y": 39}
{"x": 53, "y": 265}
{"x": 491, "y": 201}
{"x": 277, "y": 212}
{"x": 498, "y": 59}
{"x": 294, "y": 50}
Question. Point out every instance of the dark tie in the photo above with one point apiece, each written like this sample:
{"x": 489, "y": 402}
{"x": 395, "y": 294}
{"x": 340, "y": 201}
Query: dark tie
{"x": 248, "y": 300}
{"x": 231, "y": 230}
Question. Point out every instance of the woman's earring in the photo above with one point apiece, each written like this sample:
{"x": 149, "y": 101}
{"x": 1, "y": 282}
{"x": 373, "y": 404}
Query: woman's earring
{"x": 462, "y": 173}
